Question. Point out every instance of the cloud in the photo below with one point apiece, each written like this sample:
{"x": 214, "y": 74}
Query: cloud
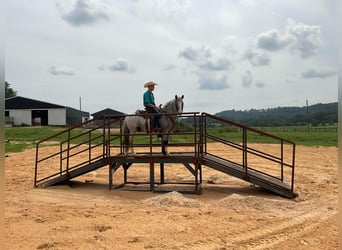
{"x": 247, "y": 79}
{"x": 291, "y": 78}
{"x": 212, "y": 83}
{"x": 101, "y": 68}
{"x": 257, "y": 58}
{"x": 169, "y": 67}
{"x": 122, "y": 65}
{"x": 272, "y": 40}
{"x": 312, "y": 73}
{"x": 220, "y": 64}
{"x": 61, "y": 70}
{"x": 259, "y": 84}
{"x": 167, "y": 8}
{"x": 195, "y": 54}
{"x": 206, "y": 65}
{"x": 202, "y": 58}
{"x": 307, "y": 38}
{"x": 84, "y": 12}
{"x": 298, "y": 37}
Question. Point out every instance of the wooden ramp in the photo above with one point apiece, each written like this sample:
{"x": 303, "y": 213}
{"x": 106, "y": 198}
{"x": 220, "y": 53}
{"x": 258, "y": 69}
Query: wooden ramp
{"x": 66, "y": 176}
{"x": 269, "y": 183}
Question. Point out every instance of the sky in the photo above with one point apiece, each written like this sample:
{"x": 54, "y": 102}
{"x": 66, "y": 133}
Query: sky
{"x": 220, "y": 54}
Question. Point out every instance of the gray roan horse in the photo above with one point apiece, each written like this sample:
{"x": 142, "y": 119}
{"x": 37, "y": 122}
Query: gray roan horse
{"x": 167, "y": 121}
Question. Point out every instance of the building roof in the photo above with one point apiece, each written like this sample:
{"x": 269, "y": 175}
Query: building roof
{"x": 107, "y": 112}
{"x": 19, "y": 102}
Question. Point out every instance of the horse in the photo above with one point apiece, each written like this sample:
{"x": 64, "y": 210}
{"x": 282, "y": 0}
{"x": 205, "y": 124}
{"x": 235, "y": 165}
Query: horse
{"x": 141, "y": 123}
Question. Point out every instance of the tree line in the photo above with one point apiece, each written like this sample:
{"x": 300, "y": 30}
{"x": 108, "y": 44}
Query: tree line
{"x": 9, "y": 92}
{"x": 317, "y": 114}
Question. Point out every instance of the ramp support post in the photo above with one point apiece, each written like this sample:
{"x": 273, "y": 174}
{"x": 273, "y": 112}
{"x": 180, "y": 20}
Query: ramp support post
{"x": 152, "y": 176}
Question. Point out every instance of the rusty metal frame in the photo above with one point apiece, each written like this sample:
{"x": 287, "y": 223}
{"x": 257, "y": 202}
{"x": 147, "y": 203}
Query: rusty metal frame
{"x": 150, "y": 157}
{"x": 246, "y": 149}
{"x": 193, "y": 159}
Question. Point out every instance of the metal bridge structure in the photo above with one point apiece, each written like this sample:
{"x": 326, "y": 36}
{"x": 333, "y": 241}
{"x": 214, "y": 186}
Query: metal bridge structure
{"x": 99, "y": 143}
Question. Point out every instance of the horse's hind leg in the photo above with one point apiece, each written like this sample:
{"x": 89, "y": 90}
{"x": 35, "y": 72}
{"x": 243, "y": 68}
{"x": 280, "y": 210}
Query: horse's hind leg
{"x": 128, "y": 144}
{"x": 131, "y": 149}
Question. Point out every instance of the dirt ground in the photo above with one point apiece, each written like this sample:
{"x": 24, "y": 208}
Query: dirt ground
{"x": 229, "y": 214}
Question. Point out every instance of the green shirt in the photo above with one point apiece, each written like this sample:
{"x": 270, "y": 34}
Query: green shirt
{"x": 148, "y": 98}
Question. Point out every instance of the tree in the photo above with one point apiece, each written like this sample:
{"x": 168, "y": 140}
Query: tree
{"x": 9, "y": 92}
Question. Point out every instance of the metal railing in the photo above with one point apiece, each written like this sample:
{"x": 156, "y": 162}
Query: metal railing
{"x": 145, "y": 143}
{"x": 98, "y": 139}
{"x": 86, "y": 142}
{"x": 82, "y": 143}
{"x": 284, "y": 158}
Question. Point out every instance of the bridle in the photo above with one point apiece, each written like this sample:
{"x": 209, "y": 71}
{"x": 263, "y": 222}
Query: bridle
{"x": 177, "y": 105}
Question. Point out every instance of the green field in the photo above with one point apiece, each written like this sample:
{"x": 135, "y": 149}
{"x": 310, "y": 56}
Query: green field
{"x": 18, "y": 139}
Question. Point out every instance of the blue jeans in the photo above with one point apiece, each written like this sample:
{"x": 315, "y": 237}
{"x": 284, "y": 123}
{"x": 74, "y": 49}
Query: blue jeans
{"x": 155, "y": 117}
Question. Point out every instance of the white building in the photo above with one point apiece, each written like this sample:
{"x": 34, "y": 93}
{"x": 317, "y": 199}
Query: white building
{"x": 25, "y": 111}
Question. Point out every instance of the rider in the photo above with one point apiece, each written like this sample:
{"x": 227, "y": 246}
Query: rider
{"x": 150, "y": 105}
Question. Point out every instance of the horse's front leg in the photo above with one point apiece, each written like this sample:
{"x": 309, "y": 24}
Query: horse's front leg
{"x": 165, "y": 142}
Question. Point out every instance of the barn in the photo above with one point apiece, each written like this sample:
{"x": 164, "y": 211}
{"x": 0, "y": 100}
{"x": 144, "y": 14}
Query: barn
{"x": 22, "y": 111}
{"x": 109, "y": 113}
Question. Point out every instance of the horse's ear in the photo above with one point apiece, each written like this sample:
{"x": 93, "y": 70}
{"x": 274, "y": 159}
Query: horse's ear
{"x": 182, "y": 96}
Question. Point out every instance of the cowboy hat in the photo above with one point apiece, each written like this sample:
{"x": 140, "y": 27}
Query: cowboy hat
{"x": 146, "y": 85}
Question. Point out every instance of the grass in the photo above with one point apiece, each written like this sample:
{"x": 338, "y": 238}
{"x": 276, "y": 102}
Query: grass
{"x": 18, "y": 139}
{"x": 305, "y": 138}
{"x": 312, "y": 139}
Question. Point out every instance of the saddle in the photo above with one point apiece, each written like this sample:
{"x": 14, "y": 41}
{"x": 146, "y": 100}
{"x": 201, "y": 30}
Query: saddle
{"x": 144, "y": 111}
{"x": 141, "y": 112}
{"x": 148, "y": 117}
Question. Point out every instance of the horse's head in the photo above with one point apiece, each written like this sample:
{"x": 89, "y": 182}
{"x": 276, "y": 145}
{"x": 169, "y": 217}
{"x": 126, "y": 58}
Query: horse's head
{"x": 179, "y": 104}
{"x": 176, "y": 105}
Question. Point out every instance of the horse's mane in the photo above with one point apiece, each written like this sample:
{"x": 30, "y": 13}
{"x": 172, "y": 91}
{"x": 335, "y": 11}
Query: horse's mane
{"x": 167, "y": 106}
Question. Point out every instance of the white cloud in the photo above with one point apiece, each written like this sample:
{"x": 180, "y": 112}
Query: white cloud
{"x": 194, "y": 48}
{"x": 61, "y": 70}
{"x": 169, "y": 67}
{"x": 298, "y": 37}
{"x": 122, "y": 65}
{"x": 213, "y": 83}
{"x": 84, "y": 12}
{"x": 260, "y": 84}
{"x": 257, "y": 58}
{"x": 247, "y": 79}
{"x": 307, "y": 38}
{"x": 167, "y": 8}
{"x": 219, "y": 64}
{"x": 195, "y": 55}
{"x": 312, "y": 73}
{"x": 272, "y": 40}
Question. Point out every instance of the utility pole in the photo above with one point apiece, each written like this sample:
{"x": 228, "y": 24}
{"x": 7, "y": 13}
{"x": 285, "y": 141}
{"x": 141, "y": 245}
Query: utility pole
{"x": 80, "y": 104}
{"x": 307, "y": 114}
